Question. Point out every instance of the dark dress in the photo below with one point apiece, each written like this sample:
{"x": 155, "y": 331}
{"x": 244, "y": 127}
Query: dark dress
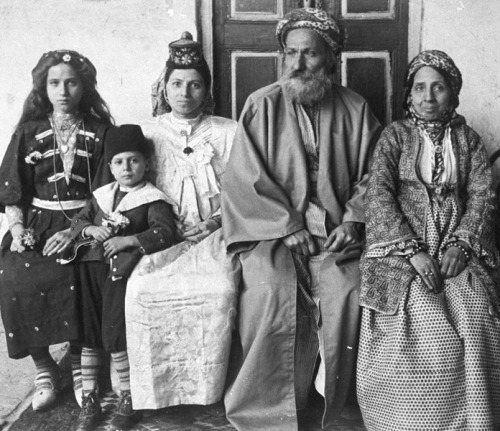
{"x": 38, "y": 296}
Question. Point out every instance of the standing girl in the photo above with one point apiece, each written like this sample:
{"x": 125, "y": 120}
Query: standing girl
{"x": 53, "y": 158}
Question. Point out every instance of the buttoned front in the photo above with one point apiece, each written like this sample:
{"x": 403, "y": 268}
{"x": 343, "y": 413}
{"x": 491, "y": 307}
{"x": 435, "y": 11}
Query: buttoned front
{"x": 151, "y": 221}
{"x": 190, "y": 159}
{"x": 35, "y": 288}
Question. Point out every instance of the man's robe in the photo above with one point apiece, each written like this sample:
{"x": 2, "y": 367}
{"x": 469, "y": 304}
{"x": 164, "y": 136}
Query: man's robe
{"x": 264, "y": 198}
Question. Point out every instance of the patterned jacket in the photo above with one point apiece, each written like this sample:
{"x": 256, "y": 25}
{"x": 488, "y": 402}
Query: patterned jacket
{"x": 396, "y": 205}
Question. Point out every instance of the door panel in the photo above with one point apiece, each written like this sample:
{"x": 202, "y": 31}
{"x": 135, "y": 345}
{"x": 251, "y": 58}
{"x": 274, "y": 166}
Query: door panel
{"x": 247, "y": 55}
{"x": 248, "y": 71}
{"x": 369, "y": 73}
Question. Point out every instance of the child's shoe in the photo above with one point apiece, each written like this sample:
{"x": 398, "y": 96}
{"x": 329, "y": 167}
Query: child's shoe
{"x": 47, "y": 386}
{"x": 125, "y": 416}
{"x": 90, "y": 413}
{"x": 45, "y": 396}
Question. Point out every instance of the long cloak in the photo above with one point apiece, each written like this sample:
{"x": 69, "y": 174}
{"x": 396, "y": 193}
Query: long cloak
{"x": 264, "y": 198}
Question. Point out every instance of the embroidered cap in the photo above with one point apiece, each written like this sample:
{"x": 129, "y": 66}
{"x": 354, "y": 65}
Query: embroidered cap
{"x": 185, "y": 53}
{"x": 127, "y": 137}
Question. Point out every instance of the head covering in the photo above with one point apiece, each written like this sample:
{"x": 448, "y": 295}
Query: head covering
{"x": 184, "y": 53}
{"x": 435, "y": 129}
{"x": 125, "y": 138}
{"x": 315, "y": 19}
{"x": 439, "y": 61}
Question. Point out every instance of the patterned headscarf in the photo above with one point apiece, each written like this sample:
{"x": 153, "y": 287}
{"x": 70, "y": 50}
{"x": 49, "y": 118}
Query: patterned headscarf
{"x": 442, "y": 63}
{"x": 315, "y": 19}
{"x": 439, "y": 61}
{"x": 183, "y": 54}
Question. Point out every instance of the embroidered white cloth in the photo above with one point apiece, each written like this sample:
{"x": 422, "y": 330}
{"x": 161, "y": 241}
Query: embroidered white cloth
{"x": 191, "y": 180}
{"x": 181, "y": 302}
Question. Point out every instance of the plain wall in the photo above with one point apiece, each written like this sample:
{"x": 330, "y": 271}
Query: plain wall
{"x": 468, "y": 31}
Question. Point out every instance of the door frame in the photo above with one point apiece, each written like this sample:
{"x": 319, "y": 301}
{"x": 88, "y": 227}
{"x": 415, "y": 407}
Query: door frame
{"x": 204, "y": 10}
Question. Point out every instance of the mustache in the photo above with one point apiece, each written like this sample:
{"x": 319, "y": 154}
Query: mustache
{"x": 305, "y": 75}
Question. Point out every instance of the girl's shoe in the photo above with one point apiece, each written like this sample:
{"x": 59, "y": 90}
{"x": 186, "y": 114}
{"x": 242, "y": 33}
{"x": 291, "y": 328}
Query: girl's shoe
{"x": 46, "y": 390}
{"x": 45, "y": 396}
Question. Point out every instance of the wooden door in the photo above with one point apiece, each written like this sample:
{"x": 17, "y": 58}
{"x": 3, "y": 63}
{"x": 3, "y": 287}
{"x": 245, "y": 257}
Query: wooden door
{"x": 247, "y": 55}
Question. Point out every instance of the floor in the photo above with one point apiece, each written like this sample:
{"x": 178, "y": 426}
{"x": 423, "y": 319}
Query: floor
{"x": 185, "y": 418}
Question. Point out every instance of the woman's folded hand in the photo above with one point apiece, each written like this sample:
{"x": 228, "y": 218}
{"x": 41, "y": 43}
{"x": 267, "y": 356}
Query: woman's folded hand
{"x": 429, "y": 270}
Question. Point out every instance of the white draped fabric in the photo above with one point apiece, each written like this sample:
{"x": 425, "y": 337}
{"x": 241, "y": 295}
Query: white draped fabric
{"x": 181, "y": 302}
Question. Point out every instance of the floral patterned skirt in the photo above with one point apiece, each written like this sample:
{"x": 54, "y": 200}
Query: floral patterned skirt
{"x": 180, "y": 309}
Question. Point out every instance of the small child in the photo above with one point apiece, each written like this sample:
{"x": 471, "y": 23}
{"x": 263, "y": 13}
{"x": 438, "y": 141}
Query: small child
{"x": 128, "y": 218}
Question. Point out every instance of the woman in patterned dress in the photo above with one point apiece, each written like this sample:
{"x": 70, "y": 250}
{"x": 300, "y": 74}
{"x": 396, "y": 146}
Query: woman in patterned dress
{"x": 46, "y": 174}
{"x": 429, "y": 356}
{"x": 180, "y": 303}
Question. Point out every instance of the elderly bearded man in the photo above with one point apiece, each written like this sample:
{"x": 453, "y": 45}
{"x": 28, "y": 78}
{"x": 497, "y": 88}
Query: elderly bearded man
{"x": 292, "y": 207}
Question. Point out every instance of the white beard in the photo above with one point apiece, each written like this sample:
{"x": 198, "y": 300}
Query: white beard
{"x": 305, "y": 87}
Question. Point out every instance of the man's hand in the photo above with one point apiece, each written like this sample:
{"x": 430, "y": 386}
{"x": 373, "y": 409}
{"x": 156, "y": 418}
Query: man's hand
{"x": 301, "y": 242}
{"x": 340, "y": 237}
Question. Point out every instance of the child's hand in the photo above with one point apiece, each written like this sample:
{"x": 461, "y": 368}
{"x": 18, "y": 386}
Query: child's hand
{"x": 116, "y": 244}
{"x": 17, "y": 231}
{"x": 100, "y": 233}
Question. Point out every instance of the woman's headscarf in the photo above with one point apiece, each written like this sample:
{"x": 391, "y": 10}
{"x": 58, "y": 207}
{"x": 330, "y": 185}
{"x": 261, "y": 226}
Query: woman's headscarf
{"x": 183, "y": 54}
{"x": 443, "y": 64}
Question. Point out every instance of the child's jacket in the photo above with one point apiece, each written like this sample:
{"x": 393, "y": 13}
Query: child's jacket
{"x": 151, "y": 218}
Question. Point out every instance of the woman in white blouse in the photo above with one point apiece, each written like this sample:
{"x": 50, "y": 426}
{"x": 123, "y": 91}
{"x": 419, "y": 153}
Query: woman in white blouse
{"x": 180, "y": 303}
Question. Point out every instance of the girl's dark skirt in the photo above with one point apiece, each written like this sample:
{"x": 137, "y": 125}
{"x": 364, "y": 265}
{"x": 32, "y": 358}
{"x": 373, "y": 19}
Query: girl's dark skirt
{"x": 38, "y": 300}
{"x": 103, "y": 307}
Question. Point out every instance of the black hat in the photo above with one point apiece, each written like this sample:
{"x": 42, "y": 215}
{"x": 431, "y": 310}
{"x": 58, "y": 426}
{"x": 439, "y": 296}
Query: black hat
{"x": 127, "y": 137}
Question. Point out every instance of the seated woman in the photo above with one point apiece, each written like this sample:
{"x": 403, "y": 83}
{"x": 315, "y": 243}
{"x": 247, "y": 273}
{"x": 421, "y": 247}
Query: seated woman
{"x": 429, "y": 356}
{"x": 180, "y": 303}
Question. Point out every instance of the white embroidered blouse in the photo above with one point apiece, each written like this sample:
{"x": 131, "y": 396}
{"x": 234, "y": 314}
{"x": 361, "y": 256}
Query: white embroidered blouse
{"x": 190, "y": 178}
